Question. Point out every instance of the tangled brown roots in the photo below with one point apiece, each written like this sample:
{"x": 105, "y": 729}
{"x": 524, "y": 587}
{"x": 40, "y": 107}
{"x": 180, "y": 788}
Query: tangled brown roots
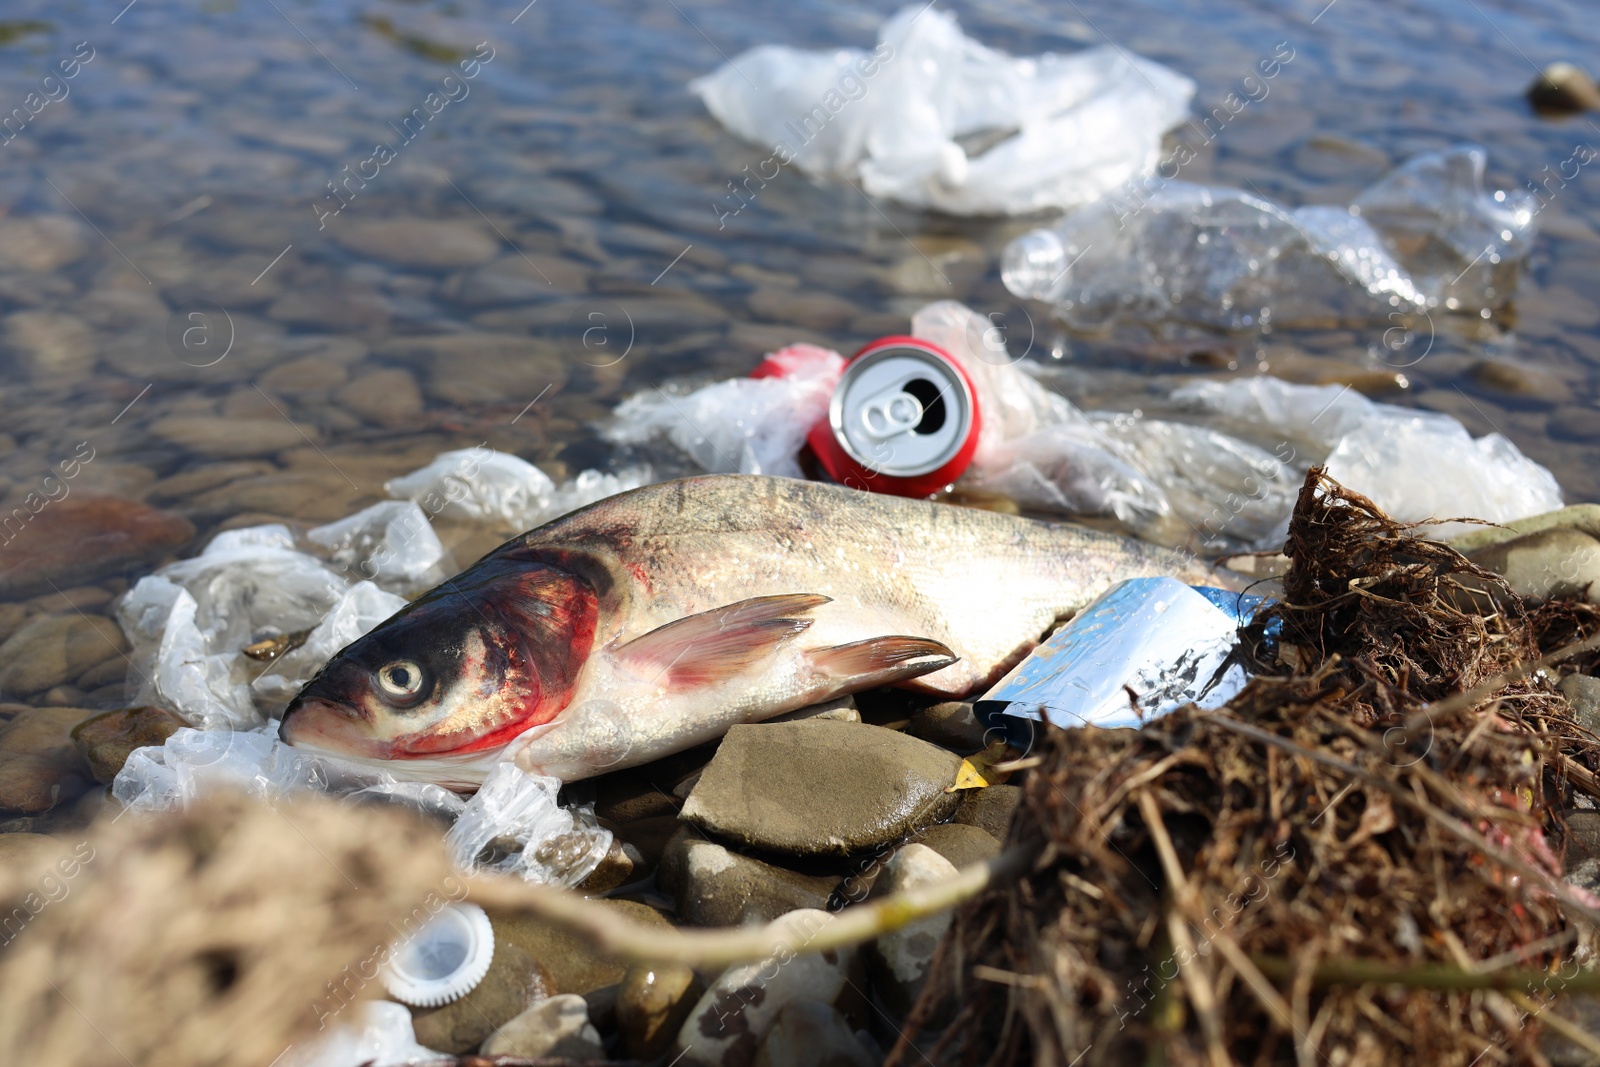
{"x": 1335, "y": 868}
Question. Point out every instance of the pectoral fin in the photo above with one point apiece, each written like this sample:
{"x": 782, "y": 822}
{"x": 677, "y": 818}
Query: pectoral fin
{"x": 720, "y": 643}
{"x": 882, "y": 660}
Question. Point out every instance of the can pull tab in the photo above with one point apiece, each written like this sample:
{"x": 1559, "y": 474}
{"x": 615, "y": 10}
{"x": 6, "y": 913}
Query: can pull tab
{"x": 890, "y": 413}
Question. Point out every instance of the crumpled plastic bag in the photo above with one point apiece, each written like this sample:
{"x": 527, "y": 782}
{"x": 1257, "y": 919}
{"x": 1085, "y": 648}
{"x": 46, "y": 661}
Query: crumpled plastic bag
{"x": 391, "y": 543}
{"x": 513, "y": 825}
{"x": 188, "y": 621}
{"x": 506, "y": 491}
{"x": 170, "y": 776}
{"x": 1416, "y": 465}
{"x": 381, "y": 1035}
{"x": 362, "y": 607}
{"x": 741, "y": 425}
{"x": 1074, "y": 127}
{"x": 192, "y": 763}
{"x": 1428, "y": 235}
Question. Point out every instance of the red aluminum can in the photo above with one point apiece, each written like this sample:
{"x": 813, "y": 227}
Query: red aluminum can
{"x": 903, "y": 420}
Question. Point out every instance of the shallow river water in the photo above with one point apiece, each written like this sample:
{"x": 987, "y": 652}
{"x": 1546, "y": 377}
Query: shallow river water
{"x": 186, "y": 300}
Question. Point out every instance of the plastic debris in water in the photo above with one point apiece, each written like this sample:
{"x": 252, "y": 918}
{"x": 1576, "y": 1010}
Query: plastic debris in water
{"x": 358, "y": 610}
{"x": 190, "y": 620}
{"x": 1428, "y": 235}
{"x": 444, "y": 960}
{"x": 1056, "y": 131}
{"x": 1144, "y": 648}
{"x": 1414, "y": 464}
{"x": 482, "y": 485}
{"x": 753, "y": 425}
{"x": 391, "y": 543}
{"x": 513, "y": 825}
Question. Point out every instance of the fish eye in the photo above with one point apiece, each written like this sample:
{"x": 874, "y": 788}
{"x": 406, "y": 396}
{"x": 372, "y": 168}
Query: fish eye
{"x": 401, "y": 680}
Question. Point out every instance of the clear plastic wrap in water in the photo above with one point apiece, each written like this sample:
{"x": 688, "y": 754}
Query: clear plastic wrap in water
{"x": 505, "y": 491}
{"x": 741, "y": 425}
{"x": 362, "y": 607}
{"x": 513, "y": 825}
{"x": 1061, "y": 130}
{"x": 1416, "y": 465}
{"x": 391, "y": 543}
{"x": 1429, "y": 234}
{"x": 379, "y": 1033}
{"x": 1426, "y": 466}
{"x": 173, "y": 775}
{"x": 188, "y": 622}
{"x": 1167, "y": 481}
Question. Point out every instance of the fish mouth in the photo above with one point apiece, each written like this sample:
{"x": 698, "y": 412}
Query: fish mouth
{"x": 312, "y": 722}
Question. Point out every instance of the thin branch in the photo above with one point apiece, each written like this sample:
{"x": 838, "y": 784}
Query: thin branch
{"x": 795, "y": 933}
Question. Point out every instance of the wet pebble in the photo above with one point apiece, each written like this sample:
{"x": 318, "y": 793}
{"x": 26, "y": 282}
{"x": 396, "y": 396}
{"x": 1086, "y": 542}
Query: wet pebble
{"x": 819, "y": 311}
{"x": 229, "y": 438}
{"x": 303, "y": 375}
{"x": 517, "y": 279}
{"x": 41, "y": 243}
{"x": 514, "y": 981}
{"x": 1562, "y": 88}
{"x": 107, "y": 740}
{"x": 387, "y": 397}
{"x": 54, "y": 649}
{"x": 483, "y": 368}
{"x": 652, "y": 1004}
{"x": 317, "y": 495}
{"x": 651, "y": 836}
{"x": 821, "y": 787}
{"x": 616, "y": 868}
{"x": 729, "y": 1021}
{"x": 808, "y": 1033}
{"x": 843, "y": 710}
{"x": 1556, "y": 563}
{"x": 951, "y": 724}
{"x": 414, "y": 242}
{"x": 961, "y": 844}
{"x": 40, "y": 767}
{"x": 180, "y": 487}
{"x": 51, "y": 346}
{"x": 631, "y": 795}
{"x": 716, "y": 887}
{"x": 557, "y": 1027}
{"x": 989, "y": 809}
{"x": 902, "y": 958}
{"x": 573, "y": 964}
{"x": 1519, "y": 383}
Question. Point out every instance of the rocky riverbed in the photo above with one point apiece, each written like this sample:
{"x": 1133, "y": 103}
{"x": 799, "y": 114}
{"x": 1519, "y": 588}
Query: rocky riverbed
{"x": 207, "y": 323}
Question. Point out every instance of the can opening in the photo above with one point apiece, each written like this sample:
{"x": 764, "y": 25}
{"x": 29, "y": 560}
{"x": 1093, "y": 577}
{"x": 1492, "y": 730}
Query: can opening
{"x": 932, "y": 399}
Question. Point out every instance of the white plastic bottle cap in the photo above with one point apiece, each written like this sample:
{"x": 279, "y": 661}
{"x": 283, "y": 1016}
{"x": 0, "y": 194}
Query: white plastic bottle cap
{"x": 443, "y": 961}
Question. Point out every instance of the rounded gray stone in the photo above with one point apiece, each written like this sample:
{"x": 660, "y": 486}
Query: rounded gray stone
{"x": 821, "y": 787}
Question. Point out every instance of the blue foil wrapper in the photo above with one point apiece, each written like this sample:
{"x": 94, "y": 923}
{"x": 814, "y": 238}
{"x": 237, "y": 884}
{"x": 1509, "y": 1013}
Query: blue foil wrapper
{"x": 1144, "y": 648}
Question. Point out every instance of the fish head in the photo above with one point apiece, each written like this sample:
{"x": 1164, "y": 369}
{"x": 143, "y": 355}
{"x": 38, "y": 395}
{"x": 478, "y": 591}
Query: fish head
{"x": 464, "y": 669}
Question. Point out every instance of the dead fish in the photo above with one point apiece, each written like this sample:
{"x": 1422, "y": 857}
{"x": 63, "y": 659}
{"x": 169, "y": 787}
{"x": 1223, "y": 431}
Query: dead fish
{"x": 656, "y": 619}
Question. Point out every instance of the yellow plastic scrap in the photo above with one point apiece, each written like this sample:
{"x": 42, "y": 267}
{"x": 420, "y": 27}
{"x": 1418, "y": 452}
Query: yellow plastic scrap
{"x": 977, "y": 771}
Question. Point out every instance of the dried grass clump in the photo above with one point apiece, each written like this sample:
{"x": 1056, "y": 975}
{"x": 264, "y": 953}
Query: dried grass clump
{"x": 208, "y": 937}
{"x": 1349, "y": 864}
